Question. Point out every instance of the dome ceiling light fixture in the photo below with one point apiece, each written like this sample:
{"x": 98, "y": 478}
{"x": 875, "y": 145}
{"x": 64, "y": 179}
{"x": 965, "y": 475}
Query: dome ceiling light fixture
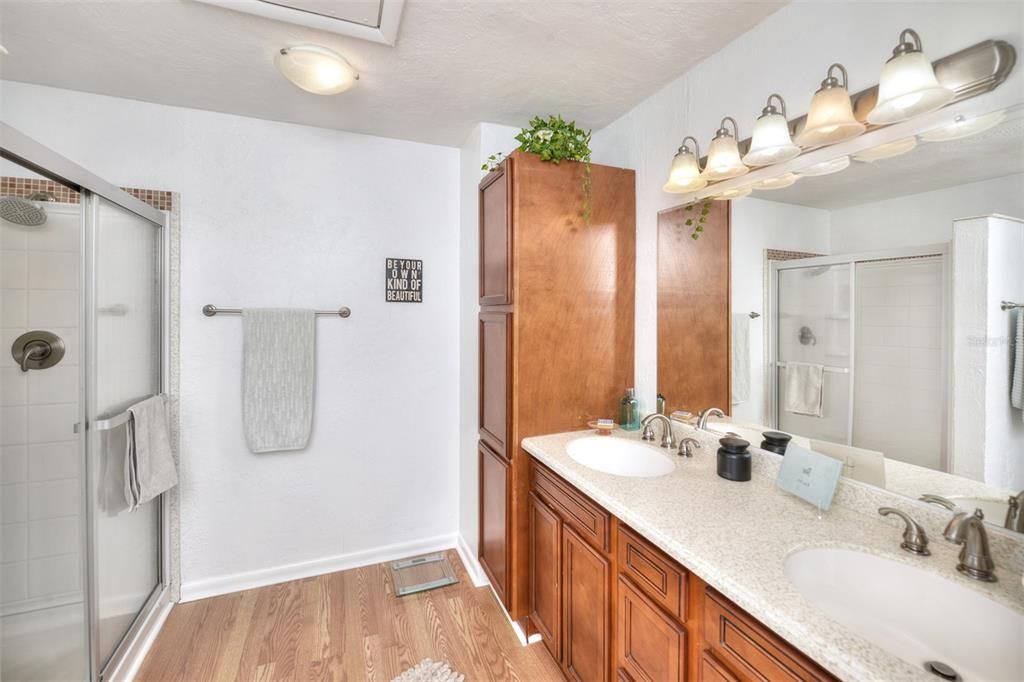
{"x": 887, "y": 150}
{"x": 316, "y": 69}
{"x": 737, "y": 193}
{"x": 908, "y": 85}
{"x": 825, "y": 167}
{"x": 785, "y": 180}
{"x": 685, "y": 174}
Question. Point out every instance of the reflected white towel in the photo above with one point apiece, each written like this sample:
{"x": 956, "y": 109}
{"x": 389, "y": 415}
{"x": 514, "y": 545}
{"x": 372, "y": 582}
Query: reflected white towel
{"x": 149, "y": 465}
{"x": 1017, "y": 384}
{"x": 278, "y": 375}
{"x": 804, "y": 388}
{"x": 740, "y": 358}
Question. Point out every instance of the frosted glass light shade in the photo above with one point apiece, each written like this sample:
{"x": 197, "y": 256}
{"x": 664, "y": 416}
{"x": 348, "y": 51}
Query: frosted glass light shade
{"x": 826, "y": 167}
{"x": 771, "y": 142}
{"x": 737, "y": 193}
{"x": 785, "y": 180}
{"x": 908, "y": 87}
{"x": 887, "y": 151}
{"x": 963, "y": 127}
{"x": 830, "y": 119}
{"x": 316, "y": 69}
{"x": 724, "y": 160}
{"x": 685, "y": 174}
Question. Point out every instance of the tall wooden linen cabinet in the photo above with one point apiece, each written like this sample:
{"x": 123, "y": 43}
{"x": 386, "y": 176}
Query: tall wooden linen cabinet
{"x": 556, "y": 333}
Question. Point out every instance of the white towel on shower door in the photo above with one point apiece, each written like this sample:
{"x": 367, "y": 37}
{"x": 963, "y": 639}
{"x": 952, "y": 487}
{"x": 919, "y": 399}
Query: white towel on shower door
{"x": 278, "y": 377}
{"x": 804, "y": 384}
{"x": 1017, "y": 382}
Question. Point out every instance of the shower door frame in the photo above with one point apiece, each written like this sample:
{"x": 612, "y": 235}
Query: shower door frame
{"x": 851, "y": 259}
{"x": 30, "y": 154}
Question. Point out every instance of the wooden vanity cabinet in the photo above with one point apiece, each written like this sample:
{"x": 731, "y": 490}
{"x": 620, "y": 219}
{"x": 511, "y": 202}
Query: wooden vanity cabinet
{"x": 556, "y": 334}
{"x": 495, "y": 478}
{"x": 610, "y": 605}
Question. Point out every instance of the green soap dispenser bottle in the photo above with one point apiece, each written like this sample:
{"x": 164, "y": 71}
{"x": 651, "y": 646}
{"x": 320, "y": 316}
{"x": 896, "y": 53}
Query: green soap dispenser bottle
{"x": 629, "y": 411}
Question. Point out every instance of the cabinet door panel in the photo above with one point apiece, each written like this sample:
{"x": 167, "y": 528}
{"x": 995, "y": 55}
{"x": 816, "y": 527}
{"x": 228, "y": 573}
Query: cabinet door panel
{"x": 655, "y": 574}
{"x": 495, "y": 239}
{"x": 586, "y": 606}
{"x": 494, "y": 555}
{"x": 546, "y": 575}
{"x": 712, "y": 670}
{"x": 651, "y": 646}
{"x": 495, "y": 368}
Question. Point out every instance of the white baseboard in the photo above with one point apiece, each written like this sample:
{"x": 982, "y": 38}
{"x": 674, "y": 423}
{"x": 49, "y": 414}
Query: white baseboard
{"x": 472, "y": 564}
{"x": 211, "y": 587}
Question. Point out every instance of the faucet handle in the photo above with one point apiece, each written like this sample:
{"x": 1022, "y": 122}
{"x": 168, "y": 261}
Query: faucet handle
{"x": 915, "y": 540}
{"x": 687, "y": 446}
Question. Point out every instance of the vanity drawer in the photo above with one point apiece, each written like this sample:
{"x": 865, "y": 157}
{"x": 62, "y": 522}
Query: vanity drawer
{"x": 576, "y": 510}
{"x": 654, "y": 573}
{"x": 749, "y": 649}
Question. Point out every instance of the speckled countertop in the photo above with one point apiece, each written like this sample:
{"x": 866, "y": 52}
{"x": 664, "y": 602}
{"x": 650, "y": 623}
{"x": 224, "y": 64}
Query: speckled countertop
{"x": 736, "y": 537}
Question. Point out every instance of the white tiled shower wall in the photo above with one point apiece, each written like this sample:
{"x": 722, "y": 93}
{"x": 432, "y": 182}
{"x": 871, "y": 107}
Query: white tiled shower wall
{"x": 40, "y": 560}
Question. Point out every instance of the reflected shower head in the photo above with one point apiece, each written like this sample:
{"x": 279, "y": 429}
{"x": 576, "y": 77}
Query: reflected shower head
{"x": 22, "y": 211}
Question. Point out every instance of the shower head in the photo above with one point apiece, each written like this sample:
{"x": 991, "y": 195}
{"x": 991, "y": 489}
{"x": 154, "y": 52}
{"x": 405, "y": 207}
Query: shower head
{"x": 22, "y": 211}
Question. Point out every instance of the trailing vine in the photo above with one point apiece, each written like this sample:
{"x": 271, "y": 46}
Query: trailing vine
{"x": 697, "y": 222}
{"x": 555, "y": 140}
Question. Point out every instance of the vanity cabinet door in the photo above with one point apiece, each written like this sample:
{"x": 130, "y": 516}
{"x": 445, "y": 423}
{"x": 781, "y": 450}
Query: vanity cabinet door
{"x": 546, "y": 575}
{"x": 711, "y": 670}
{"x": 494, "y": 554}
{"x": 586, "y": 595}
{"x": 495, "y": 369}
{"x": 651, "y": 646}
{"x": 496, "y": 238}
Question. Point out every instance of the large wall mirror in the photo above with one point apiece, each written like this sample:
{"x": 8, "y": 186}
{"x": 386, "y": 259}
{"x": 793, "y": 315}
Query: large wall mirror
{"x": 865, "y": 314}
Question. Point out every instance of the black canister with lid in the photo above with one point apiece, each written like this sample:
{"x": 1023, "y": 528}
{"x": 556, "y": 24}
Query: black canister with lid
{"x": 733, "y": 459}
{"x": 775, "y": 441}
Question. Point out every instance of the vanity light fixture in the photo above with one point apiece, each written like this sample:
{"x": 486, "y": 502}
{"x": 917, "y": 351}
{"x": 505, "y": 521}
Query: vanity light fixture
{"x": 908, "y": 85}
{"x": 962, "y": 127}
{"x": 737, "y": 193}
{"x": 316, "y": 69}
{"x": 887, "y": 151}
{"x": 771, "y": 142}
{"x": 826, "y": 167}
{"x": 830, "y": 118}
{"x": 779, "y": 182}
{"x": 685, "y": 173}
{"x": 724, "y": 154}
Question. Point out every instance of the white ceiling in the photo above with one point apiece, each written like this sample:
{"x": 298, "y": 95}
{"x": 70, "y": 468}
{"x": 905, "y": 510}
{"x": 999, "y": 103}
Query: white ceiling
{"x": 455, "y": 62}
{"x": 930, "y": 166}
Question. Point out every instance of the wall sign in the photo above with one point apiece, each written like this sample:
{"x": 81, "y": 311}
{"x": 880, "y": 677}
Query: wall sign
{"x": 404, "y": 280}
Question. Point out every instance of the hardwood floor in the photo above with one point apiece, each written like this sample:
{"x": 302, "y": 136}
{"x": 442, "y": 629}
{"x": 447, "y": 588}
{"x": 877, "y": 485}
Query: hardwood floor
{"x": 343, "y": 626}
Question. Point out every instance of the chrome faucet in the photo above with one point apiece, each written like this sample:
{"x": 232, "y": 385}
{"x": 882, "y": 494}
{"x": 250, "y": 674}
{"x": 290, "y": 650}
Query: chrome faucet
{"x": 702, "y": 419}
{"x": 915, "y": 540}
{"x": 667, "y": 441}
{"x": 1015, "y": 512}
{"x": 968, "y": 529}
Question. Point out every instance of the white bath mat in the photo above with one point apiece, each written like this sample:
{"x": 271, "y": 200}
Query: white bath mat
{"x": 430, "y": 671}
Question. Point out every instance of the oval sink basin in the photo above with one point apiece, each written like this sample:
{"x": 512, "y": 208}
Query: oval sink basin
{"x": 913, "y": 614}
{"x": 620, "y": 457}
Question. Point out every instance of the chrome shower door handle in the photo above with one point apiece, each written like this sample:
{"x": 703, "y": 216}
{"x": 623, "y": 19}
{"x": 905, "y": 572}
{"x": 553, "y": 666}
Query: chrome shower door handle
{"x": 37, "y": 349}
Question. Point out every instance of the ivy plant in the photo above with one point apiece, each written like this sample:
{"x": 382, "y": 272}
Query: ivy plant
{"x": 555, "y": 140}
{"x": 697, "y": 221}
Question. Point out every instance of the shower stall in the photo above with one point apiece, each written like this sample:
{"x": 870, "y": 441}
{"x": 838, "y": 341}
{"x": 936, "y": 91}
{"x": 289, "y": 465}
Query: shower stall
{"x": 82, "y": 314}
{"x": 879, "y": 324}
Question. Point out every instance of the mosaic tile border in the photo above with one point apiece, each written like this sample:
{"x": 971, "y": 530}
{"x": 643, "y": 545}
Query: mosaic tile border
{"x": 25, "y": 187}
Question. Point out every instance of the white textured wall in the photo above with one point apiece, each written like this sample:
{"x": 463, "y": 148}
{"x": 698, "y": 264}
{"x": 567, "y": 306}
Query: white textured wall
{"x": 758, "y": 225}
{"x": 787, "y": 53}
{"x": 484, "y": 140}
{"x": 283, "y": 215}
{"x": 925, "y": 218}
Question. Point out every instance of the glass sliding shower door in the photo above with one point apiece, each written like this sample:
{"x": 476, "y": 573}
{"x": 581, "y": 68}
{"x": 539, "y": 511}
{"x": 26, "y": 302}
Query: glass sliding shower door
{"x": 123, "y": 320}
{"x": 82, "y": 300}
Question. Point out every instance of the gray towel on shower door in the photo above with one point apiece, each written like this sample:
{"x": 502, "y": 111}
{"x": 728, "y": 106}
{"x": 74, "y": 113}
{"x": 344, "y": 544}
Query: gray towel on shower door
{"x": 278, "y": 376}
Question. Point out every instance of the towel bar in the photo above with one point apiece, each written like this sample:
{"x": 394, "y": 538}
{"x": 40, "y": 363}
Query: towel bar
{"x": 115, "y": 420}
{"x": 1010, "y": 305}
{"x": 211, "y": 310}
{"x": 835, "y": 370}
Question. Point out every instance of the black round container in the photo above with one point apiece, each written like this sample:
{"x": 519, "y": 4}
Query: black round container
{"x": 775, "y": 441}
{"x": 733, "y": 459}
